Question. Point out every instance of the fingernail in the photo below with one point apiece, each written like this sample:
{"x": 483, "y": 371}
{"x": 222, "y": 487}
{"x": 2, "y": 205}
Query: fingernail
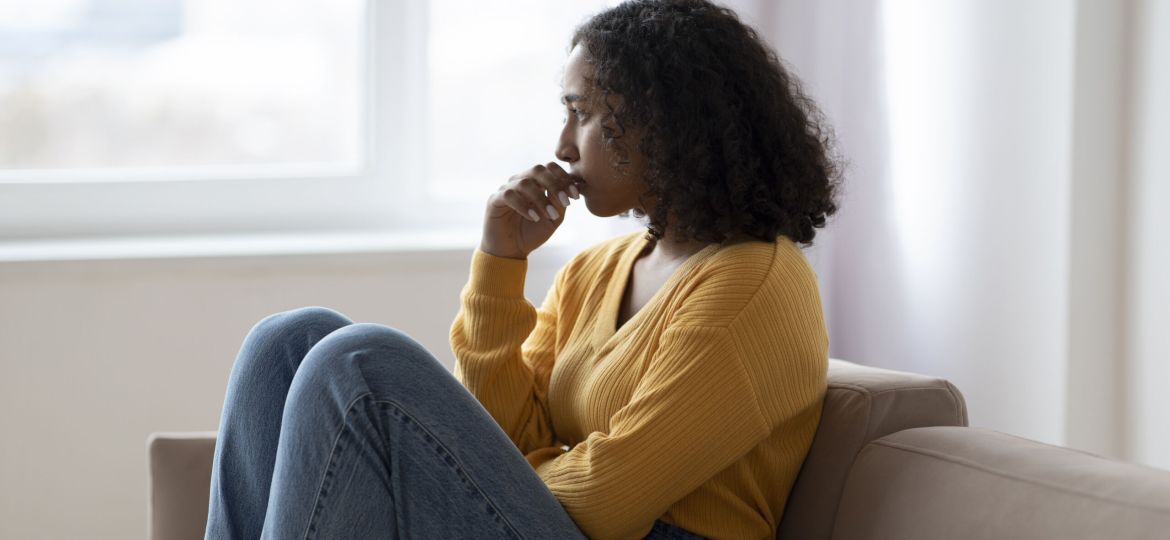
{"x": 532, "y": 213}
{"x": 576, "y": 193}
{"x": 564, "y": 198}
{"x": 552, "y": 212}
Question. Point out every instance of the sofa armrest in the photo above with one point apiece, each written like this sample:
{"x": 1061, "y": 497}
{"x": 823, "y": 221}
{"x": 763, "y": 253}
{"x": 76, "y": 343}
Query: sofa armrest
{"x": 972, "y": 483}
{"x": 180, "y": 483}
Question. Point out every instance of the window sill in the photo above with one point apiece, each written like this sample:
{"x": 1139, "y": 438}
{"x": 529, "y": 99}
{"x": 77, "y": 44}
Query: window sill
{"x": 428, "y": 249}
{"x": 238, "y": 246}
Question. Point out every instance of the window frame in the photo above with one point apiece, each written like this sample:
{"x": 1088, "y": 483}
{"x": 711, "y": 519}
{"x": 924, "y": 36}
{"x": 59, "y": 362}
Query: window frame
{"x": 387, "y": 191}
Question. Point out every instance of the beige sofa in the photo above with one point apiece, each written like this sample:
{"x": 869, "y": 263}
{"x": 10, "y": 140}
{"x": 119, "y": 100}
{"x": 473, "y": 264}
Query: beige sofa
{"x": 892, "y": 459}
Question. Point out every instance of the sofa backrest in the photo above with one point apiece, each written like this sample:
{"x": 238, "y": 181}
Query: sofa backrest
{"x": 861, "y": 404}
{"x": 975, "y": 483}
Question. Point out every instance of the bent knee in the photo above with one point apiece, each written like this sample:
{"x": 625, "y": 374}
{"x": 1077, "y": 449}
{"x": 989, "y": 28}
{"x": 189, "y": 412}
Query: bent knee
{"x": 300, "y": 320}
{"x": 360, "y": 336}
{"x": 380, "y": 344}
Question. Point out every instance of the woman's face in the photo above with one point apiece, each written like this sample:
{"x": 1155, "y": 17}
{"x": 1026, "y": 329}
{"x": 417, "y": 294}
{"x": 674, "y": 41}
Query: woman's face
{"x": 609, "y": 188}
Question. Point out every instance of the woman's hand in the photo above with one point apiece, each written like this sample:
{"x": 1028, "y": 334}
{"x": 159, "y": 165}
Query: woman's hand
{"x": 523, "y": 214}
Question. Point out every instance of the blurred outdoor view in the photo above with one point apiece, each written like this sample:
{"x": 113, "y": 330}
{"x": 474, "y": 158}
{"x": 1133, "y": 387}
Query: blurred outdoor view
{"x": 150, "y": 83}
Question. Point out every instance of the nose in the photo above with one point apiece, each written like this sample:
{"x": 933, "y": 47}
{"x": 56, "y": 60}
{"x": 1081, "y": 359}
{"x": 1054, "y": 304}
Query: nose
{"x": 567, "y": 147}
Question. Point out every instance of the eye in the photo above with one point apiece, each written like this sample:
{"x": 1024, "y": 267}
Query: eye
{"x": 577, "y": 113}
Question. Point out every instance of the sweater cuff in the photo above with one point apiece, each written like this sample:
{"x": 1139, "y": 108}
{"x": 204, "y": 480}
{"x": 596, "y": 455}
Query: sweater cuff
{"x": 497, "y": 276}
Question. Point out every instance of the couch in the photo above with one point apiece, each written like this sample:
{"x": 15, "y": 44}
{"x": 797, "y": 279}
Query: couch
{"x": 893, "y": 458}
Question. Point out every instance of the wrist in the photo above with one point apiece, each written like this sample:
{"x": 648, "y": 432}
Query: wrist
{"x": 496, "y": 252}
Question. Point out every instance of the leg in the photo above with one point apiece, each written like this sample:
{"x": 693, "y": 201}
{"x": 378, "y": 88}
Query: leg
{"x": 379, "y": 440}
{"x": 245, "y": 450}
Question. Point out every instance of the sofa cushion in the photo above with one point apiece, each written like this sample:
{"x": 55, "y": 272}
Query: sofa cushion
{"x": 861, "y": 404}
{"x": 970, "y": 483}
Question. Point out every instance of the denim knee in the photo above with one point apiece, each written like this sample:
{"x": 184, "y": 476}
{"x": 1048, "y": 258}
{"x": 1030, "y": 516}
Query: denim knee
{"x": 295, "y": 330}
{"x": 397, "y": 351}
{"x": 299, "y": 319}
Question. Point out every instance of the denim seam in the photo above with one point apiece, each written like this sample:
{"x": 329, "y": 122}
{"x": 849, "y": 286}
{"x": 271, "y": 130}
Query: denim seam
{"x": 459, "y": 464}
{"x": 341, "y": 432}
{"x": 330, "y": 464}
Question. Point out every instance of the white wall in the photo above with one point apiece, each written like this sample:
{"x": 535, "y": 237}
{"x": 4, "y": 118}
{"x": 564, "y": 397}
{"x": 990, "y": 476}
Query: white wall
{"x": 1096, "y": 298}
{"x": 97, "y": 355}
{"x": 1148, "y": 287}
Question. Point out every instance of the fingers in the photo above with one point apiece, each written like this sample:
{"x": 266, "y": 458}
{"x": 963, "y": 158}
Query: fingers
{"x": 542, "y": 192}
{"x": 555, "y": 183}
{"x": 525, "y": 196}
{"x": 568, "y": 182}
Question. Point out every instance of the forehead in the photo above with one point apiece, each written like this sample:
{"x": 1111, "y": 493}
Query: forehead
{"x": 577, "y": 71}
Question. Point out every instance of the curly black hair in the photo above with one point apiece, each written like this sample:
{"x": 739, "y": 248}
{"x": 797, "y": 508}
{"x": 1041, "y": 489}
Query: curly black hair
{"x": 732, "y": 143}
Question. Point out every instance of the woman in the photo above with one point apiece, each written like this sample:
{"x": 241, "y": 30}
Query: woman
{"x": 668, "y": 387}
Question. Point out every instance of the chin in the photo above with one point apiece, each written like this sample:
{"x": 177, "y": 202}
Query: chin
{"x": 599, "y": 210}
{"x": 593, "y": 207}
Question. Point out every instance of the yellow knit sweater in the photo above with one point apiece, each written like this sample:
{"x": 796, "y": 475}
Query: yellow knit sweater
{"x": 698, "y": 411}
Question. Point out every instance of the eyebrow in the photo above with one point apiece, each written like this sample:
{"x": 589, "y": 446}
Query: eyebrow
{"x": 571, "y": 98}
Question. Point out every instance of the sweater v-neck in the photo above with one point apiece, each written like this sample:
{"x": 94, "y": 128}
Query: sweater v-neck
{"x": 607, "y": 331}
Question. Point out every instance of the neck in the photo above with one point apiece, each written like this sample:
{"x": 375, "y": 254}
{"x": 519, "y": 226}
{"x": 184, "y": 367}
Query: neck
{"x": 670, "y": 248}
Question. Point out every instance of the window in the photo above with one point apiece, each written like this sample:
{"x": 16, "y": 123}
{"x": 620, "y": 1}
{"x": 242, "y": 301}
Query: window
{"x": 133, "y": 84}
{"x": 155, "y": 117}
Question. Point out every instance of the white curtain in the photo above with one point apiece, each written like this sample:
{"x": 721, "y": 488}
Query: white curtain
{"x": 1007, "y": 190}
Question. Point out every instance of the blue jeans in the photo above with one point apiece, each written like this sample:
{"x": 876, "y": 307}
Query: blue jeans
{"x": 332, "y": 429}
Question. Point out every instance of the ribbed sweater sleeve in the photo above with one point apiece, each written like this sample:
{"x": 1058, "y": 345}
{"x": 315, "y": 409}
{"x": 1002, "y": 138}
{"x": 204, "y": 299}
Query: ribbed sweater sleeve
{"x": 693, "y": 414}
{"x": 505, "y": 348}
